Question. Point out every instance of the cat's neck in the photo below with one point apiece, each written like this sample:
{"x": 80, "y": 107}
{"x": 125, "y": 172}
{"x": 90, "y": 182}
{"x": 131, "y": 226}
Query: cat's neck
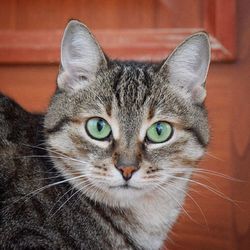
{"x": 148, "y": 221}
{"x": 154, "y": 216}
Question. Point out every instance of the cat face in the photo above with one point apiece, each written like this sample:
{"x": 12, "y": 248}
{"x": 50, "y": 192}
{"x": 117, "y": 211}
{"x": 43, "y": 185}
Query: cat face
{"x": 120, "y": 131}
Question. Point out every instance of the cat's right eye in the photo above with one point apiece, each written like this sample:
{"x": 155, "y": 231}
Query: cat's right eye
{"x": 98, "y": 128}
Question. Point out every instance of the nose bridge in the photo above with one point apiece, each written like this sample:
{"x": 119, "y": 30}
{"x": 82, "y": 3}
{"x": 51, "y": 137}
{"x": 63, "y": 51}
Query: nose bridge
{"x": 127, "y": 149}
{"x": 127, "y": 154}
{"x": 129, "y": 123}
{"x": 126, "y": 157}
{"x": 127, "y": 160}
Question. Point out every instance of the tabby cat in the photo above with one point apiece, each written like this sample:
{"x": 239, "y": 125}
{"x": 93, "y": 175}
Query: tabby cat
{"x": 108, "y": 165}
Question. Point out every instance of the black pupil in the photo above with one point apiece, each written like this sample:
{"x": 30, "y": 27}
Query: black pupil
{"x": 100, "y": 125}
{"x": 159, "y": 128}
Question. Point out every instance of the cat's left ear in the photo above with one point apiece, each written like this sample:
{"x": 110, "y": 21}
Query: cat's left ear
{"x": 81, "y": 57}
{"x": 188, "y": 64}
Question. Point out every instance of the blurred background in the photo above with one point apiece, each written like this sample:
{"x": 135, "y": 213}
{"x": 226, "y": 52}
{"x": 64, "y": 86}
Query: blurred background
{"x": 217, "y": 207}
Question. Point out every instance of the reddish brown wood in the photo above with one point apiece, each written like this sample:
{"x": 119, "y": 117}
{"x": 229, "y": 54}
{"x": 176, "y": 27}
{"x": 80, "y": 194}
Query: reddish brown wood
{"x": 105, "y": 14}
{"x": 178, "y": 14}
{"x": 31, "y": 86}
{"x": 240, "y": 133}
{"x": 144, "y": 44}
{"x": 141, "y": 30}
{"x": 219, "y": 21}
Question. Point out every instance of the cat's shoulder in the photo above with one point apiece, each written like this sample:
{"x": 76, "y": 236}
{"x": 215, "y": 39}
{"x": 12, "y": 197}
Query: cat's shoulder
{"x": 15, "y": 123}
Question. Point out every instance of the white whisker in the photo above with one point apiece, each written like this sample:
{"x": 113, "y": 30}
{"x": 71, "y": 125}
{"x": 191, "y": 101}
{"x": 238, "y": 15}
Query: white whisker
{"x": 160, "y": 187}
{"x": 55, "y": 152}
{"x": 194, "y": 201}
{"x": 217, "y": 192}
{"x": 77, "y": 191}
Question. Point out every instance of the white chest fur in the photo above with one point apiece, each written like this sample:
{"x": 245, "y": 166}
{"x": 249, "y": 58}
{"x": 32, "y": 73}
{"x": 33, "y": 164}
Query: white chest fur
{"x": 155, "y": 216}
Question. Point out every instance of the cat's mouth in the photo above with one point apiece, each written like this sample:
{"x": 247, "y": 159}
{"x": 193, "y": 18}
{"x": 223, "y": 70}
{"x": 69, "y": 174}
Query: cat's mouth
{"x": 125, "y": 186}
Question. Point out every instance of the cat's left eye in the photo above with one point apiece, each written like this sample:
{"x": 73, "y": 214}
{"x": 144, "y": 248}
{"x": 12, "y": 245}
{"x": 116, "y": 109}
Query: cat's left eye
{"x": 98, "y": 128}
{"x": 159, "y": 132}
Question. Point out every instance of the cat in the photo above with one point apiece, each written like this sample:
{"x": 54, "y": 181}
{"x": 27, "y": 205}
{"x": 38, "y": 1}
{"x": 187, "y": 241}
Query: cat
{"x": 108, "y": 165}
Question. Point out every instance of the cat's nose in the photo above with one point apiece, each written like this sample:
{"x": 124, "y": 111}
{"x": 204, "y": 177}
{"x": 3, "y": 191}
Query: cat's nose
{"x": 127, "y": 171}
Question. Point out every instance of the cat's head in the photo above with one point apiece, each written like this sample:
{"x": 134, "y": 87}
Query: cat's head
{"x": 123, "y": 130}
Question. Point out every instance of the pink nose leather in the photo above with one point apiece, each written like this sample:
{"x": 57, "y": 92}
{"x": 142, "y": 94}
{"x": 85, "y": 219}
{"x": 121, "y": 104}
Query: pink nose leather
{"x": 127, "y": 171}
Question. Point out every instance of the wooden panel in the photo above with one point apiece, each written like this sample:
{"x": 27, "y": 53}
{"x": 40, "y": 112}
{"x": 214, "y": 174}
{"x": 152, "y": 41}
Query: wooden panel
{"x": 105, "y": 14}
{"x": 141, "y": 30}
{"x": 31, "y": 86}
{"x": 36, "y": 47}
{"x": 240, "y": 133}
{"x": 219, "y": 21}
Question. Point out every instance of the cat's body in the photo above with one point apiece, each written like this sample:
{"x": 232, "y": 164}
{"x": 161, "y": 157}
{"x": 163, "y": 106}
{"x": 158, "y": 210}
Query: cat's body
{"x": 63, "y": 189}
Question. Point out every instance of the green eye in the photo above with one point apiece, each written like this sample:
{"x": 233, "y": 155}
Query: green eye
{"x": 159, "y": 132}
{"x": 98, "y": 128}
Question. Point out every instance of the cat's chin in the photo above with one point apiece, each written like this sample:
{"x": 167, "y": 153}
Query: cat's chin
{"x": 127, "y": 195}
{"x": 123, "y": 196}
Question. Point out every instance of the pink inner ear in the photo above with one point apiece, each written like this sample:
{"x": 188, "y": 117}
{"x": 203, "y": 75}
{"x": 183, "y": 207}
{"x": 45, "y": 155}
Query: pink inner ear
{"x": 199, "y": 94}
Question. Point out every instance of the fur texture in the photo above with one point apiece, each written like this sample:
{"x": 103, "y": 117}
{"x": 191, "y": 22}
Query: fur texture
{"x": 60, "y": 188}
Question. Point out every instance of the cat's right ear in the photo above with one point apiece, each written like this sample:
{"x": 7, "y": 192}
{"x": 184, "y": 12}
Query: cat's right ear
{"x": 81, "y": 57}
